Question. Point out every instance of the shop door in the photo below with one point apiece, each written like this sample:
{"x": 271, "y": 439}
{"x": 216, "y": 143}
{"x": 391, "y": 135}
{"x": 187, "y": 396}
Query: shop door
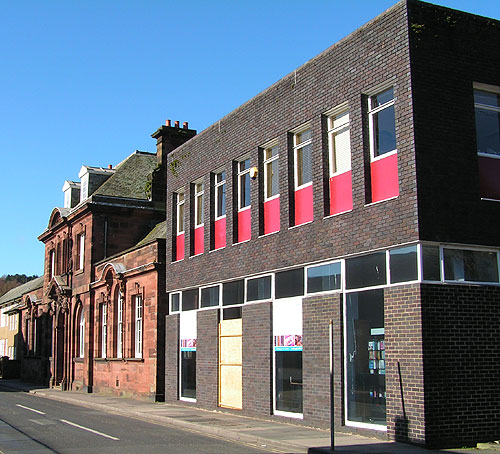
{"x": 230, "y": 364}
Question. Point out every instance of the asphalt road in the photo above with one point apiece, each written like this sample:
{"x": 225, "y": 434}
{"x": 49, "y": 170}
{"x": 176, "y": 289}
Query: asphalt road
{"x": 32, "y": 424}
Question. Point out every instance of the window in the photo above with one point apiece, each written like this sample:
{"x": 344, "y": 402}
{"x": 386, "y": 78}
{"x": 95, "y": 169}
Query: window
{"x": 84, "y": 187}
{"x": 175, "y": 302}
{"x": 271, "y": 172}
{"x": 366, "y": 271}
{"x": 470, "y": 265}
{"x": 324, "y": 278}
{"x": 382, "y": 123}
{"x": 259, "y": 288}
{"x": 243, "y": 184}
{"x": 233, "y": 292}
{"x": 210, "y": 296}
{"x": 12, "y": 322}
{"x": 190, "y": 299}
{"x": 52, "y": 263}
{"x": 80, "y": 251}
{"x": 220, "y": 194}
{"x": 431, "y": 263}
{"x": 339, "y": 143}
{"x": 198, "y": 204}
{"x": 487, "y": 113}
{"x": 302, "y": 158}
{"x": 180, "y": 213}
{"x": 104, "y": 329}
{"x": 289, "y": 283}
{"x": 81, "y": 334}
{"x": 138, "y": 326}
{"x": 119, "y": 326}
{"x": 403, "y": 264}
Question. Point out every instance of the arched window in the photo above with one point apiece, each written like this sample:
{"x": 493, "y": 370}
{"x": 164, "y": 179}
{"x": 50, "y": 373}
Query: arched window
{"x": 81, "y": 334}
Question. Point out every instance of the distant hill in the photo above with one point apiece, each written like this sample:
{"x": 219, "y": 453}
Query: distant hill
{"x": 13, "y": 280}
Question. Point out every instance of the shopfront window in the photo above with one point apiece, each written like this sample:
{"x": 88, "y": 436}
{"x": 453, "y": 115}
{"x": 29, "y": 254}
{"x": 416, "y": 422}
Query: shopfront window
{"x": 365, "y": 359}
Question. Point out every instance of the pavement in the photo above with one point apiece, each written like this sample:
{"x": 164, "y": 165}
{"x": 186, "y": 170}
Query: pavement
{"x": 264, "y": 434}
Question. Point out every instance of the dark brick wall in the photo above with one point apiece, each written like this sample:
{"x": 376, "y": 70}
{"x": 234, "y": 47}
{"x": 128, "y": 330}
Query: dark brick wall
{"x": 172, "y": 358}
{"x": 463, "y": 49}
{"x": 461, "y": 330}
{"x": 257, "y": 359}
{"x": 316, "y": 315}
{"x": 207, "y": 358}
{"x": 404, "y": 364}
{"x": 342, "y": 73}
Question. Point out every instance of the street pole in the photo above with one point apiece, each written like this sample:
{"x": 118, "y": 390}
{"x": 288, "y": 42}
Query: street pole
{"x": 332, "y": 408}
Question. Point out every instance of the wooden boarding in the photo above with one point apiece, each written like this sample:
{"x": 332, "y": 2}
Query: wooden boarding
{"x": 230, "y": 364}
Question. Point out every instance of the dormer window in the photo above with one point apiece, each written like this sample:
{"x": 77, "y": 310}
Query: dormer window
{"x": 71, "y": 191}
{"x": 84, "y": 191}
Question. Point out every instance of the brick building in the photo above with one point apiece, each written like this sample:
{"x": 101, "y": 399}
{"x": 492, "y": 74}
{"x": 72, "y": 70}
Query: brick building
{"x": 363, "y": 188}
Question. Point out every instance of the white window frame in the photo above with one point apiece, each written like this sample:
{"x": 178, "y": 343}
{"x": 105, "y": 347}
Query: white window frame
{"x": 138, "y": 309}
{"x": 104, "y": 330}
{"x": 199, "y": 193}
{"x": 210, "y": 307}
{"x": 12, "y": 322}
{"x": 489, "y": 89}
{"x": 180, "y": 201}
{"x": 371, "y": 115}
{"x": 81, "y": 250}
{"x": 333, "y": 131}
{"x": 271, "y": 298}
{"x": 243, "y": 173}
{"x": 266, "y": 161}
{"x": 81, "y": 333}
{"x": 219, "y": 186}
{"x": 171, "y": 311}
{"x": 296, "y": 148}
{"x": 119, "y": 326}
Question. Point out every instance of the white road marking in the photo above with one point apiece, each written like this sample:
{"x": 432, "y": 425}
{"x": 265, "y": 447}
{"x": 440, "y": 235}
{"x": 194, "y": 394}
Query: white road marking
{"x": 31, "y": 409}
{"x": 88, "y": 430}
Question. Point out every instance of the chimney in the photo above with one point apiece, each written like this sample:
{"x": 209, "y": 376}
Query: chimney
{"x": 110, "y": 166}
{"x": 168, "y": 138}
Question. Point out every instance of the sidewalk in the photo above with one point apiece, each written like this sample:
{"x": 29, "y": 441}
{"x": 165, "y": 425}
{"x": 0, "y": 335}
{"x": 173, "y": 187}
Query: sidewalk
{"x": 264, "y": 434}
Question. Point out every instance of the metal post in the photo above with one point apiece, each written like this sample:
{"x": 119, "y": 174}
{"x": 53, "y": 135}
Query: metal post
{"x": 332, "y": 408}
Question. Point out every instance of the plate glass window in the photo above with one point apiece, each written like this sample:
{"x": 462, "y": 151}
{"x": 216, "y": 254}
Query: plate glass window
{"x": 190, "y": 299}
{"x": 244, "y": 184}
{"x": 303, "y": 157}
{"x": 324, "y": 278}
{"x": 259, "y": 288}
{"x": 175, "y": 302}
{"x": 366, "y": 271}
{"x": 403, "y": 264}
{"x": 233, "y": 293}
{"x": 289, "y": 283}
{"x": 210, "y": 296}
{"x": 470, "y": 265}
{"x": 271, "y": 172}
{"x": 382, "y": 123}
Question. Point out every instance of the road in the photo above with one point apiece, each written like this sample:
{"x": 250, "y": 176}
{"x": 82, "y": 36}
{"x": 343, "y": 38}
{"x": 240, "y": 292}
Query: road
{"x": 32, "y": 424}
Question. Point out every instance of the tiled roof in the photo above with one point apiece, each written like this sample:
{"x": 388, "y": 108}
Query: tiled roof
{"x": 21, "y": 290}
{"x": 129, "y": 180}
{"x": 159, "y": 231}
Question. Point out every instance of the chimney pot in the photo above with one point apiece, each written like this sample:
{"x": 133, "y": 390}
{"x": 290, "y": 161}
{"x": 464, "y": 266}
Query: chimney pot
{"x": 110, "y": 166}
{"x": 168, "y": 123}
{"x": 176, "y": 123}
{"x": 185, "y": 125}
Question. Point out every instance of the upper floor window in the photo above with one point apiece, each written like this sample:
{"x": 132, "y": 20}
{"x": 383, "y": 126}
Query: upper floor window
{"x": 339, "y": 143}
{"x": 52, "y": 263}
{"x": 119, "y": 326}
{"x": 220, "y": 194}
{"x": 180, "y": 213}
{"x": 302, "y": 148}
{"x": 487, "y": 112}
{"x": 84, "y": 187}
{"x": 80, "y": 251}
{"x": 382, "y": 123}
{"x": 81, "y": 334}
{"x": 104, "y": 329}
{"x": 198, "y": 203}
{"x": 271, "y": 172}
{"x": 243, "y": 184}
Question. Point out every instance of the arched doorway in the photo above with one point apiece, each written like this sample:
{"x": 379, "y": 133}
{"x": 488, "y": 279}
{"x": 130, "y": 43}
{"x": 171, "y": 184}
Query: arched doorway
{"x": 60, "y": 349}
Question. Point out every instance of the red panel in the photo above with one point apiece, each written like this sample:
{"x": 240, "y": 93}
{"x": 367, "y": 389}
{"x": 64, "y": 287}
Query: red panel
{"x": 341, "y": 193}
{"x": 244, "y": 225}
{"x": 385, "y": 178}
{"x": 179, "y": 247}
{"x": 304, "y": 205}
{"x": 489, "y": 177}
{"x": 198, "y": 240}
{"x": 220, "y": 233}
{"x": 272, "y": 216}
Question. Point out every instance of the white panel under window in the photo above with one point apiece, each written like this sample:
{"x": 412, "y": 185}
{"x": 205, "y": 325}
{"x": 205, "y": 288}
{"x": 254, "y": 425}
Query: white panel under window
{"x": 287, "y": 317}
{"x": 187, "y": 330}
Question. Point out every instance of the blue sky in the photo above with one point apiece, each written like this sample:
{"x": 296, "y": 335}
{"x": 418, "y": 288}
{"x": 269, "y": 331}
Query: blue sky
{"x": 88, "y": 82}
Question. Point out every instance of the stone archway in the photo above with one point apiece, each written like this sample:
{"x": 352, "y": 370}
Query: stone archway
{"x": 59, "y": 350}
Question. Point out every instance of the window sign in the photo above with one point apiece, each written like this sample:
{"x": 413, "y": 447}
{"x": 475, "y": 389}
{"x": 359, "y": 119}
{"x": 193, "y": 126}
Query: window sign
{"x": 188, "y": 334}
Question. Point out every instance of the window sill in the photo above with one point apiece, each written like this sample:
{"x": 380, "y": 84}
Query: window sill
{"x": 241, "y": 242}
{"x": 125, "y": 360}
{"x": 196, "y": 255}
{"x": 78, "y": 360}
{"x": 78, "y": 272}
{"x": 338, "y": 214}
{"x": 490, "y": 200}
{"x": 381, "y": 201}
{"x": 299, "y": 225}
{"x": 268, "y": 234}
{"x": 215, "y": 250}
